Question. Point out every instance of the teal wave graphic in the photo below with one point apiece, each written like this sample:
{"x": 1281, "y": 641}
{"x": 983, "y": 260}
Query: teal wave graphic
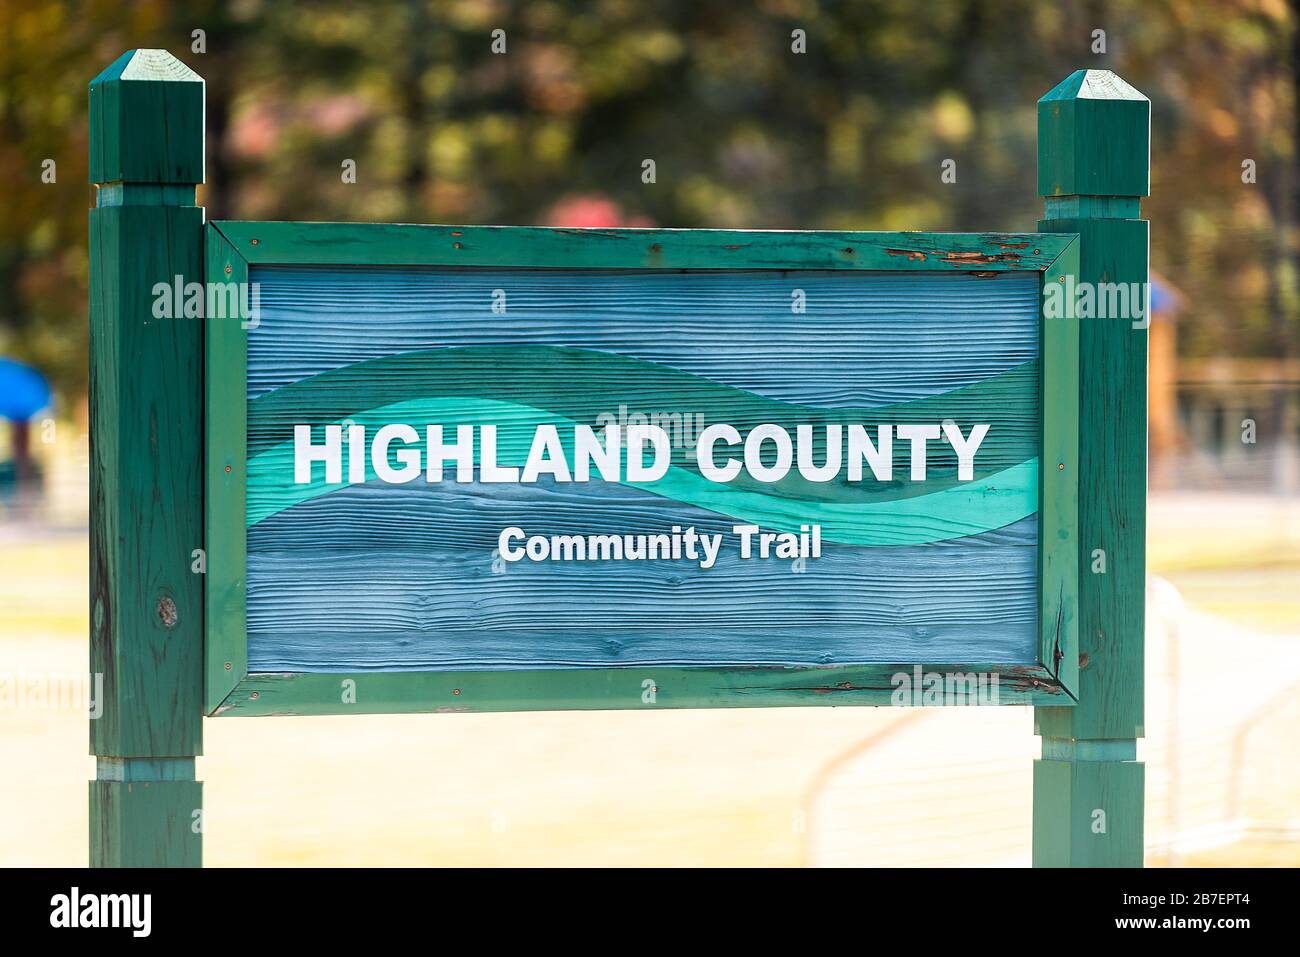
{"x": 990, "y": 502}
{"x": 581, "y": 385}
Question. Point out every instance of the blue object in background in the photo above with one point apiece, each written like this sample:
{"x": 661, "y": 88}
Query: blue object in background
{"x": 23, "y": 391}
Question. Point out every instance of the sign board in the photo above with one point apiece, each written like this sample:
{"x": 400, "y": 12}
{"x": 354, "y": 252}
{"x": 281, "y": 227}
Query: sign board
{"x": 669, "y": 469}
{"x": 491, "y": 468}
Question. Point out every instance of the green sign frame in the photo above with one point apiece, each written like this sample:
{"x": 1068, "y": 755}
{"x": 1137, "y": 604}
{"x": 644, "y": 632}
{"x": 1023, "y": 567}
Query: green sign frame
{"x": 231, "y": 247}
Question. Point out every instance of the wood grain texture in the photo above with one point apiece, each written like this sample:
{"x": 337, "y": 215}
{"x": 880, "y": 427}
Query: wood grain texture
{"x": 146, "y": 485}
{"x": 1094, "y": 138}
{"x": 145, "y": 824}
{"x": 518, "y": 388}
{"x": 735, "y": 329}
{"x": 414, "y": 581}
{"x": 225, "y": 359}
{"x": 851, "y": 517}
{"x": 1112, "y": 493}
{"x": 609, "y": 689}
{"x": 346, "y": 244}
{"x": 1067, "y": 797}
{"x": 404, "y": 577}
{"x": 146, "y": 470}
{"x": 146, "y": 121}
{"x": 1088, "y": 789}
{"x": 1058, "y": 558}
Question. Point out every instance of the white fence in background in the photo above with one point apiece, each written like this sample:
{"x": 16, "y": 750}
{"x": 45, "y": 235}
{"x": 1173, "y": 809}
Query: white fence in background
{"x": 953, "y": 787}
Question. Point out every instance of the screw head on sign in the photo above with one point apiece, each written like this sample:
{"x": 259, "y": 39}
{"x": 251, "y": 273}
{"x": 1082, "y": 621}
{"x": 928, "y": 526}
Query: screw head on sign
{"x": 228, "y": 269}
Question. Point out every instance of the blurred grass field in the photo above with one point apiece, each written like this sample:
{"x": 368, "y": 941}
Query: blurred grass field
{"x": 731, "y": 787}
{"x": 1238, "y": 557}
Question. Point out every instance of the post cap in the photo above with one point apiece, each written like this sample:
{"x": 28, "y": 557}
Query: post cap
{"x": 146, "y": 121}
{"x": 1094, "y": 137}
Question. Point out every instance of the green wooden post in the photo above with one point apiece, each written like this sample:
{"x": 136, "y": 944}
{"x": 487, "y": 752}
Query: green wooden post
{"x": 146, "y": 474}
{"x": 1093, "y": 167}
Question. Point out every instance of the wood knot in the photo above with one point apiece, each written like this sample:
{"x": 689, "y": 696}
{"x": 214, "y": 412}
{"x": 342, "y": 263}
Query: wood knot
{"x": 167, "y": 612}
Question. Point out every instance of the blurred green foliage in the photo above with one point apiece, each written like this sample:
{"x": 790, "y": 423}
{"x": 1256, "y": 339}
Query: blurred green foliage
{"x": 744, "y": 131}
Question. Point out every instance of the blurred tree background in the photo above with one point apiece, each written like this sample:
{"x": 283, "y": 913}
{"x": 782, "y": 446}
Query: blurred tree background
{"x": 744, "y": 131}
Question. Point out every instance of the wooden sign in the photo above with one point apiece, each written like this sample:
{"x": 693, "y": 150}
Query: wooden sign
{"x": 340, "y": 469}
{"x": 495, "y": 468}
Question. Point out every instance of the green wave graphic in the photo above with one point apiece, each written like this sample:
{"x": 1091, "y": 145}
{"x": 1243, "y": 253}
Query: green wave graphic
{"x": 582, "y": 384}
{"x": 966, "y": 509}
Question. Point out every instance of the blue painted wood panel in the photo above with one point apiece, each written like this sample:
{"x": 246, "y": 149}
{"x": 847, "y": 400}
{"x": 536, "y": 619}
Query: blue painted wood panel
{"x": 953, "y": 329}
{"x": 404, "y": 577}
{"x": 420, "y": 583}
